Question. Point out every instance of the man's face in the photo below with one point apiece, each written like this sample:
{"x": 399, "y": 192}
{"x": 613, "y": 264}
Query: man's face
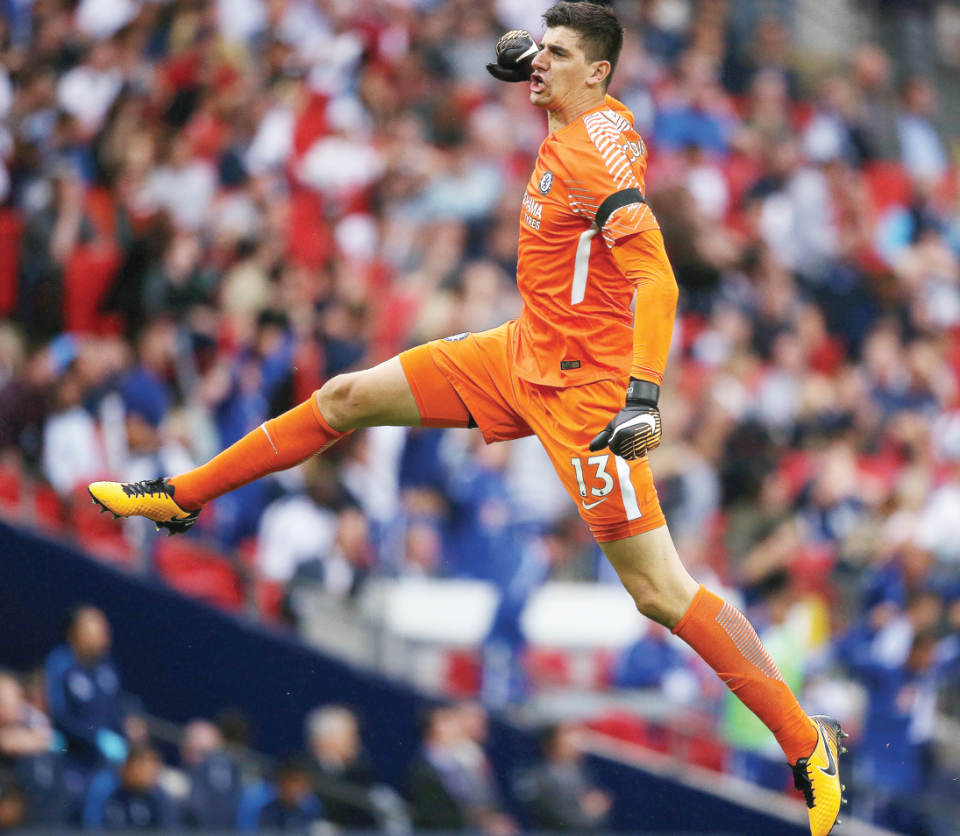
{"x": 560, "y": 70}
{"x": 91, "y": 635}
{"x": 11, "y": 701}
{"x": 140, "y": 774}
{"x": 291, "y": 787}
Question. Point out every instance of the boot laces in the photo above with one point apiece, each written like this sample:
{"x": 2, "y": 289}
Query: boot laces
{"x": 149, "y": 487}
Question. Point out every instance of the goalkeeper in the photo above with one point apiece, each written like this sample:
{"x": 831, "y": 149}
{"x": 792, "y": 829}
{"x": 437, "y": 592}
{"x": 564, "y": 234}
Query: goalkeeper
{"x": 576, "y": 369}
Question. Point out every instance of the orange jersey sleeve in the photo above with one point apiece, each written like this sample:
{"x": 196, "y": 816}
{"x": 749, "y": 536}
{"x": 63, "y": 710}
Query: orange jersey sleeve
{"x": 643, "y": 258}
{"x": 614, "y": 160}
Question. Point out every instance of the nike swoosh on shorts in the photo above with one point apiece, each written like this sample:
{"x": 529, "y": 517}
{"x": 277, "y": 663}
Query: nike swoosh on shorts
{"x": 593, "y": 504}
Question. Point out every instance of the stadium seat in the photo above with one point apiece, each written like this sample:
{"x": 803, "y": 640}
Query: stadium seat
{"x": 548, "y": 667}
{"x": 47, "y": 507}
{"x": 813, "y": 569}
{"x": 89, "y": 272}
{"x": 10, "y": 229}
{"x": 199, "y": 572}
{"x": 623, "y": 726}
{"x": 11, "y": 487}
{"x": 889, "y": 184}
{"x": 462, "y": 674}
{"x": 700, "y": 750}
{"x": 101, "y": 212}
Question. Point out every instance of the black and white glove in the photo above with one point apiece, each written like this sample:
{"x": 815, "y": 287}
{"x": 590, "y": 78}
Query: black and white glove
{"x": 635, "y": 429}
{"x": 515, "y": 52}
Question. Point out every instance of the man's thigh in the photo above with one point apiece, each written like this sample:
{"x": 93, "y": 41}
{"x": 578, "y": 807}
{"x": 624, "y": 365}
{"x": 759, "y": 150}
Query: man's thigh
{"x": 617, "y": 498}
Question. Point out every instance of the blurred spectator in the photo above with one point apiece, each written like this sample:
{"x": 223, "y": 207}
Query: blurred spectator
{"x": 921, "y": 148}
{"x": 437, "y": 785}
{"x": 480, "y": 538}
{"x": 559, "y": 794}
{"x": 871, "y": 75}
{"x": 650, "y": 661}
{"x": 899, "y": 659}
{"x": 208, "y": 786}
{"x": 72, "y": 454}
{"x": 696, "y": 113}
{"x": 450, "y": 785}
{"x": 27, "y": 760}
{"x": 486, "y": 804}
{"x": 87, "y": 91}
{"x": 26, "y": 400}
{"x": 793, "y": 208}
{"x": 132, "y": 799}
{"x": 14, "y": 806}
{"x": 55, "y": 223}
{"x": 834, "y": 132}
{"x": 504, "y": 678}
{"x": 342, "y": 569}
{"x": 761, "y": 46}
{"x": 83, "y": 691}
{"x": 184, "y": 186}
{"x": 340, "y": 766}
{"x": 906, "y": 29}
{"x": 24, "y": 731}
{"x": 301, "y": 528}
{"x": 284, "y": 805}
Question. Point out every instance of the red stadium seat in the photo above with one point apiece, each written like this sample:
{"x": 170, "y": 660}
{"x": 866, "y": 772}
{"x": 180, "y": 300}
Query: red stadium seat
{"x": 11, "y": 488}
{"x": 462, "y": 674}
{"x": 87, "y": 278}
{"x": 623, "y": 726}
{"x": 47, "y": 507}
{"x": 548, "y": 667}
{"x": 889, "y": 184}
{"x": 701, "y": 750}
{"x": 269, "y": 597}
{"x": 199, "y": 572}
{"x": 10, "y": 229}
{"x": 813, "y": 569}
{"x": 102, "y": 212}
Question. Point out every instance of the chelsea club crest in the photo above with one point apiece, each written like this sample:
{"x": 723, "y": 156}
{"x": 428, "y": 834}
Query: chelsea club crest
{"x": 546, "y": 182}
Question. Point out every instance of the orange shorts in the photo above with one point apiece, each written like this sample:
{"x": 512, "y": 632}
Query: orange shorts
{"x": 469, "y": 378}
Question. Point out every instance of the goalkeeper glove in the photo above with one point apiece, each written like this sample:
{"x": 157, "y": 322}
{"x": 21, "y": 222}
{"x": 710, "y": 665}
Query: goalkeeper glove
{"x": 515, "y": 52}
{"x": 635, "y": 429}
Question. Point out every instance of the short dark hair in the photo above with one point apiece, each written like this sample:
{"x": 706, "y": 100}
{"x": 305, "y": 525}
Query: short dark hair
{"x": 599, "y": 32}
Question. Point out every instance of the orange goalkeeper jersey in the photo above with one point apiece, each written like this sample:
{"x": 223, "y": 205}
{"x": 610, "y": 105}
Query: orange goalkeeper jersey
{"x": 576, "y": 325}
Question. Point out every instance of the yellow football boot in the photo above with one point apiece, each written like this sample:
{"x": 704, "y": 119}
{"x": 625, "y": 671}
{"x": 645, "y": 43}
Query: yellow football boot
{"x": 818, "y": 776}
{"x": 152, "y": 499}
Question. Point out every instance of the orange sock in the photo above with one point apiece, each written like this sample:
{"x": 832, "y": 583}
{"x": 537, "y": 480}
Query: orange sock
{"x": 280, "y": 443}
{"x": 726, "y": 641}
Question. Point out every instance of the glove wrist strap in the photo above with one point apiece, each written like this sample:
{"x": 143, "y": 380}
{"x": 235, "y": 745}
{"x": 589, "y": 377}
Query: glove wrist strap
{"x": 642, "y": 392}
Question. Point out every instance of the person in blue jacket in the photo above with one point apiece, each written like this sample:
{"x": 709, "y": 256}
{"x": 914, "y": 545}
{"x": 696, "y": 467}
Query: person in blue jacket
{"x": 285, "y": 805}
{"x": 131, "y": 799}
{"x": 83, "y": 692}
{"x": 893, "y": 755}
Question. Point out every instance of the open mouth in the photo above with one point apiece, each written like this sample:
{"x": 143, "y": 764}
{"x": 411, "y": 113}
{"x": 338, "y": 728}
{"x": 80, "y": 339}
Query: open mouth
{"x": 536, "y": 84}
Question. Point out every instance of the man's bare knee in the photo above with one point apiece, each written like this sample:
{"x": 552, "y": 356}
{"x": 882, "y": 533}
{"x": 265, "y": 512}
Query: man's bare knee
{"x": 651, "y": 571}
{"x": 652, "y": 602}
{"x": 340, "y": 401}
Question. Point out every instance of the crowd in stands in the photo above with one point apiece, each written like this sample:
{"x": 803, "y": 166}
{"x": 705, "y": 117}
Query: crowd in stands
{"x": 209, "y": 208}
{"x": 76, "y": 751}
